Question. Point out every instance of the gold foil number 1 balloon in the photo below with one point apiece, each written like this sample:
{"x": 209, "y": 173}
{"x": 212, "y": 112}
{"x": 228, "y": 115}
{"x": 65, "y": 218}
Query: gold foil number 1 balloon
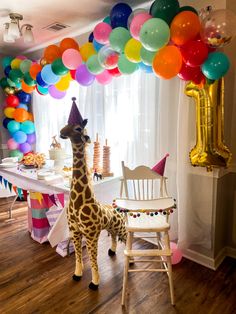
{"x": 210, "y": 150}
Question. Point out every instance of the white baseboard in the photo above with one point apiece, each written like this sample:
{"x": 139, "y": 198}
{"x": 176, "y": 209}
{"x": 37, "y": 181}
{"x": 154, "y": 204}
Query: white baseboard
{"x": 209, "y": 262}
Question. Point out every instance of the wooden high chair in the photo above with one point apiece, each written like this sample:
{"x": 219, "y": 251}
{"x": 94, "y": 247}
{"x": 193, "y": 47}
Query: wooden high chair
{"x": 147, "y": 207}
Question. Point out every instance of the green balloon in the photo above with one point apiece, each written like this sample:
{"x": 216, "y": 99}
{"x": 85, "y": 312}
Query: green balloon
{"x": 15, "y": 75}
{"x": 165, "y": 9}
{"x": 25, "y": 65}
{"x": 10, "y": 83}
{"x": 188, "y": 8}
{"x": 107, "y": 20}
{"x": 6, "y": 61}
{"x": 58, "y": 67}
{"x": 118, "y": 38}
{"x": 3, "y": 82}
{"x": 93, "y": 65}
{"x": 16, "y": 153}
{"x": 125, "y": 66}
{"x": 154, "y": 34}
{"x": 147, "y": 56}
{"x": 28, "y": 79}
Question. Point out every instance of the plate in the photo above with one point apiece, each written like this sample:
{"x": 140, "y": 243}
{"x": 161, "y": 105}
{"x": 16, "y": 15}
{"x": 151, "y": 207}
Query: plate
{"x": 8, "y": 165}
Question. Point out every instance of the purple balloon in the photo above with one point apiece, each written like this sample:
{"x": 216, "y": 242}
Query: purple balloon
{"x": 25, "y": 148}
{"x": 31, "y": 138}
{"x": 55, "y": 93}
{"x": 83, "y": 76}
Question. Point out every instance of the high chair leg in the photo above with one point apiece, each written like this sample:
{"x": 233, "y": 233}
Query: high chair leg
{"x": 170, "y": 277}
{"x": 126, "y": 266}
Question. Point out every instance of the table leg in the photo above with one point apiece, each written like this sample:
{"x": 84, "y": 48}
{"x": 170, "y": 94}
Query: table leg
{"x": 11, "y": 207}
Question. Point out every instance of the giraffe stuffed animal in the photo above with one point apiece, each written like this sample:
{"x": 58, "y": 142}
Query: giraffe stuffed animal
{"x": 86, "y": 216}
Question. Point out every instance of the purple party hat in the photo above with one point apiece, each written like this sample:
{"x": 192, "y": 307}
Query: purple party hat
{"x": 75, "y": 116}
{"x": 160, "y": 166}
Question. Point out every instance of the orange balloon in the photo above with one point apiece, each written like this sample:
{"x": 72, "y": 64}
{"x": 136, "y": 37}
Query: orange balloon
{"x": 20, "y": 115}
{"x": 68, "y": 43}
{"x": 167, "y": 62}
{"x": 26, "y": 88}
{"x": 30, "y": 116}
{"x": 34, "y": 70}
{"x": 184, "y": 27}
{"x": 51, "y": 53}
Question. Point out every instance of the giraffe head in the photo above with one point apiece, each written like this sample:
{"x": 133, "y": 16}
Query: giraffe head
{"x": 75, "y": 129}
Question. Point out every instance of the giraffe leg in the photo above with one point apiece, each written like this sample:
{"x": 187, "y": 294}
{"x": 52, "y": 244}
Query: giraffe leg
{"x": 92, "y": 248}
{"x": 112, "y": 250}
{"x": 77, "y": 239}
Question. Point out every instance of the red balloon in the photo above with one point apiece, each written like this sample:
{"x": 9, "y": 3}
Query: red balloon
{"x": 188, "y": 73}
{"x": 194, "y": 53}
{"x": 72, "y": 74}
{"x": 114, "y": 72}
{"x": 12, "y": 101}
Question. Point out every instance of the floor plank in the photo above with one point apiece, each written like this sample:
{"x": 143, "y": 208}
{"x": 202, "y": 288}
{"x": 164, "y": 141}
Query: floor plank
{"x": 35, "y": 279}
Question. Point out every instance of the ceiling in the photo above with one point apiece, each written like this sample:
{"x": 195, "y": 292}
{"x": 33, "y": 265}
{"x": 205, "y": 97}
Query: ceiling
{"x": 80, "y": 15}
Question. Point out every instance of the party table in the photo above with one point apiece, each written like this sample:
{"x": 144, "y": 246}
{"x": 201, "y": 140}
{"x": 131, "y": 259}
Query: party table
{"x": 46, "y": 211}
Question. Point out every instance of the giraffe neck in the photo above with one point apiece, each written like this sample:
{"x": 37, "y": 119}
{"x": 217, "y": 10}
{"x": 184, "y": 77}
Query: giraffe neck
{"x": 80, "y": 176}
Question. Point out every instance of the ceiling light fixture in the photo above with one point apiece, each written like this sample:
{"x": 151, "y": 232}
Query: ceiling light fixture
{"x": 14, "y": 31}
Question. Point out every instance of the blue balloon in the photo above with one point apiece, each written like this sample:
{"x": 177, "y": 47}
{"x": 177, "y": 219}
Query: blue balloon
{"x": 119, "y": 15}
{"x": 27, "y": 127}
{"x": 216, "y": 65}
{"x": 20, "y": 137}
{"x": 7, "y": 70}
{"x": 145, "y": 68}
{"x": 23, "y": 106}
{"x": 40, "y": 81}
{"x": 48, "y": 76}
{"x": 24, "y": 98}
{"x": 96, "y": 45}
{"x": 6, "y": 121}
{"x": 13, "y": 126}
{"x": 90, "y": 39}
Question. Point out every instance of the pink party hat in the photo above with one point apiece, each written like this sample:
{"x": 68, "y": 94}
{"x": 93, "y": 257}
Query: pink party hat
{"x": 160, "y": 166}
{"x": 75, "y": 116}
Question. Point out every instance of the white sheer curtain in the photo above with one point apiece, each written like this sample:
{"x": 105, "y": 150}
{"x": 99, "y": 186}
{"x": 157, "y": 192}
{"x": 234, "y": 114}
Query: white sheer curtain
{"x": 142, "y": 118}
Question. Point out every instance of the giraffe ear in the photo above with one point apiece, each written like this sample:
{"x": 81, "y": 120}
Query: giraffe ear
{"x": 84, "y": 123}
{"x": 87, "y": 139}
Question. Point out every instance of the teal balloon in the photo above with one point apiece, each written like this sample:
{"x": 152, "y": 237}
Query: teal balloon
{"x": 118, "y": 38}
{"x": 58, "y": 67}
{"x": 93, "y": 65}
{"x": 188, "y": 8}
{"x": 29, "y": 80}
{"x": 125, "y": 66}
{"x": 16, "y": 153}
{"x": 7, "y": 61}
{"x": 154, "y": 34}
{"x": 147, "y": 56}
{"x": 3, "y": 82}
{"x": 216, "y": 65}
{"x": 107, "y": 20}
{"x": 27, "y": 127}
{"x": 165, "y": 9}
{"x": 210, "y": 81}
{"x": 42, "y": 90}
{"x": 15, "y": 75}
{"x": 13, "y": 126}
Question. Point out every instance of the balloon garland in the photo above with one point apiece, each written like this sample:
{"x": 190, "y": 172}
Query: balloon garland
{"x": 168, "y": 40}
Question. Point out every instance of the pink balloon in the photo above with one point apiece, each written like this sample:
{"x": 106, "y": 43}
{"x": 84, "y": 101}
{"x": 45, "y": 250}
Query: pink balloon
{"x": 21, "y": 57}
{"x": 104, "y": 78}
{"x": 12, "y": 144}
{"x": 71, "y": 59}
{"x": 101, "y": 33}
{"x": 137, "y": 23}
{"x": 176, "y": 253}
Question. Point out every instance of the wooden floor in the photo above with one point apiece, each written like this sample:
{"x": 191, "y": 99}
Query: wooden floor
{"x": 35, "y": 279}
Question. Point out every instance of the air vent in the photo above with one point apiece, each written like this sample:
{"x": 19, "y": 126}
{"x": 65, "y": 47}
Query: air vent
{"x": 56, "y": 27}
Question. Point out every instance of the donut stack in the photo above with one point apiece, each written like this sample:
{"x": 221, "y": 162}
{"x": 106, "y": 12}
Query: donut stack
{"x": 96, "y": 156}
{"x": 106, "y": 161}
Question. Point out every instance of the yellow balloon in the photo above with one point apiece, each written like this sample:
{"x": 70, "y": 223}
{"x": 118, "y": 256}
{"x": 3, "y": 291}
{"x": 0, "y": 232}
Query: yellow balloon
{"x": 86, "y": 51}
{"x": 15, "y": 64}
{"x": 9, "y": 111}
{"x": 210, "y": 150}
{"x": 9, "y": 90}
{"x": 68, "y": 77}
{"x": 132, "y": 50}
{"x": 63, "y": 84}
